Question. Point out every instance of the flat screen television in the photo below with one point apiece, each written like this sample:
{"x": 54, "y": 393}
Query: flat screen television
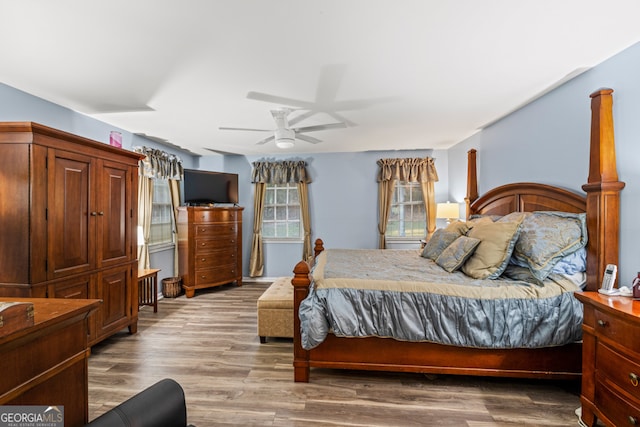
{"x": 206, "y": 188}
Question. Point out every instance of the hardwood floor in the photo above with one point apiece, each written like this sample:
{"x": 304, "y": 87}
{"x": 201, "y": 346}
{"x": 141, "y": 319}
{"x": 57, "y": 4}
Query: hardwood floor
{"x": 209, "y": 345}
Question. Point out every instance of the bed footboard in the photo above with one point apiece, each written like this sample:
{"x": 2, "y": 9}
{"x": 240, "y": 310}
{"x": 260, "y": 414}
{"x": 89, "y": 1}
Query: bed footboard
{"x": 301, "y": 282}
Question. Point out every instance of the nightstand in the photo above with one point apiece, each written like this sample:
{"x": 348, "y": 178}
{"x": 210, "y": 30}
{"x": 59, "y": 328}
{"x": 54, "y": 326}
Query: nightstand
{"x": 610, "y": 359}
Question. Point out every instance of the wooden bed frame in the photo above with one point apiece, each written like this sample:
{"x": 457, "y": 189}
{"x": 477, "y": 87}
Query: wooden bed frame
{"x": 601, "y": 205}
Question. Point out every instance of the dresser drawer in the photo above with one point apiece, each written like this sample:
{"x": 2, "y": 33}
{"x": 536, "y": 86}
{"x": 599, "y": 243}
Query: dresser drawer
{"x": 216, "y": 257}
{"x": 616, "y": 368}
{"x": 616, "y": 330}
{"x": 214, "y": 215}
{"x": 211, "y": 230}
{"x": 208, "y": 245}
{"x": 619, "y": 410}
{"x": 218, "y": 274}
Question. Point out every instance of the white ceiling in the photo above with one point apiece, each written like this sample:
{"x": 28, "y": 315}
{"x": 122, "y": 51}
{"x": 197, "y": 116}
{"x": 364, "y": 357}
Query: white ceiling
{"x": 432, "y": 72}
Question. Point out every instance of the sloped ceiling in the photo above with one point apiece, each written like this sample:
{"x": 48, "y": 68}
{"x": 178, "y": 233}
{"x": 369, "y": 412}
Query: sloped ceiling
{"x": 403, "y": 74}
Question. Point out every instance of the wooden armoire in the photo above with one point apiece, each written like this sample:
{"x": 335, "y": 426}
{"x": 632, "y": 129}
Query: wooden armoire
{"x": 68, "y": 215}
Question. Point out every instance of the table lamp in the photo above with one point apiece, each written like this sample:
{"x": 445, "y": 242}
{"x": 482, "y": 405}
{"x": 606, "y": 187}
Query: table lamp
{"x": 448, "y": 211}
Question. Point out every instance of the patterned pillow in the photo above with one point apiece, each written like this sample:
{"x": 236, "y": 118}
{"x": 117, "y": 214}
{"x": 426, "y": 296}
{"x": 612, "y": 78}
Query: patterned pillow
{"x": 491, "y": 257}
{"x": 439, "y": 242}
{"x": 457, "y": 253}
{"x": 459, "y": 227}
{"x": 547, "y": 237}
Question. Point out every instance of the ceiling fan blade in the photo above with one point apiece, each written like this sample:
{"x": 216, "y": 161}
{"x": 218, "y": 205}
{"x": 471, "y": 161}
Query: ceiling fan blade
{"x": 251, "y": 129}
{"x": 329, "y": 83}
{"x": 315, "y": 128}
{"x": 264, "y": 141}
{"x": 342, "y": 119}
{"x": 308, "y": 138}
{"x": 301, "y": 117}
{"x": 278, "y": 99}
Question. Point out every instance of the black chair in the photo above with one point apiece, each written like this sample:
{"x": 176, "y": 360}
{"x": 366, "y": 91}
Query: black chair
{"x": 160, "y": 405}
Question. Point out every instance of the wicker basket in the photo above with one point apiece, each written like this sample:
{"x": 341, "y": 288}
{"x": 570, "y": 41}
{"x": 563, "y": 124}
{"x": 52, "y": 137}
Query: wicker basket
{"x": 171, "y": 287}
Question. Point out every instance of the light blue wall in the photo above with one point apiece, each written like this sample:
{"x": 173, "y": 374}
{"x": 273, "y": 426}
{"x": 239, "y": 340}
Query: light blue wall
{"x": 548, "y": 141}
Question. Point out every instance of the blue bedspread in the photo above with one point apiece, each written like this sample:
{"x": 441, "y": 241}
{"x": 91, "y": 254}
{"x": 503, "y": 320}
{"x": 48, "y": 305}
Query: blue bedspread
{"x": 399, "y": 294}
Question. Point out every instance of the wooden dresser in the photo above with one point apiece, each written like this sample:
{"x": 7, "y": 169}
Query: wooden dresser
{"x": 69, "y": 212}
{"x": 46, "y": 364}
{"x": 611, "y": 360}
{"x": 209, "y": 246}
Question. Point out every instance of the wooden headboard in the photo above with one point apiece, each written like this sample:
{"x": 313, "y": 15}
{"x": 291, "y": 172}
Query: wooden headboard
{"x": 601, "y": 201}
{"x": 527, "y": 197}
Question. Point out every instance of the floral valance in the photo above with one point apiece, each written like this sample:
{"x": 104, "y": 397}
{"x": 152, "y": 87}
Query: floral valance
{"x": 281, "y": 172}
{"x": 159, "y": 164}
{"x": 408, "y": 170}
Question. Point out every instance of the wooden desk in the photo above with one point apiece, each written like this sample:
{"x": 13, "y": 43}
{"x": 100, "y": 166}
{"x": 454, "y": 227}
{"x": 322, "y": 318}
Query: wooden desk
{"x": 148, "y": 288}
{"x": 46, "y": 364}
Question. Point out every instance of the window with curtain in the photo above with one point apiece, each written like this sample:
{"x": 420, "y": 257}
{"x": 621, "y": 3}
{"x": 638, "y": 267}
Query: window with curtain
{"x": 281, "y": 215}
{"x": 287, "y": 211}
{"x": 158, "y": 199}
{"x": 407, "y": 217}
{"x": 398, "y": 212}
{"x": 161, "y": 214}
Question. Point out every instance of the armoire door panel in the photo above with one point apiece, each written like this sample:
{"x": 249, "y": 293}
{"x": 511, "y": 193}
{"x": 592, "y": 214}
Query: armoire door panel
{"x": 114, "y": 220}
{"x": 71, "y": 217}
{"x": 114, "y": 289}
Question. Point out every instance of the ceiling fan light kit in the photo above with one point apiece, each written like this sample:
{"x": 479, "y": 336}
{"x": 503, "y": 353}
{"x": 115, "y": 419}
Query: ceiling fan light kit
{"x": 285, "y": 138}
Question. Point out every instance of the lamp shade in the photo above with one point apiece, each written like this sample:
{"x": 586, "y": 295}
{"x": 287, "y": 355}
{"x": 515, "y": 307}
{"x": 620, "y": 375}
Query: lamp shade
{"x": 448, "y": 210}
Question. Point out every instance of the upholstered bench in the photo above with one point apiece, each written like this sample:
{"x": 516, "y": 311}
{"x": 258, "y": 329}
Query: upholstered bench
{"x": 275, "y": 310}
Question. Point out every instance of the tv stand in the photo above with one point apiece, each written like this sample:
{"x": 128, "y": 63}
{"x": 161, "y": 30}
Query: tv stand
{"x": 209, "y": 246}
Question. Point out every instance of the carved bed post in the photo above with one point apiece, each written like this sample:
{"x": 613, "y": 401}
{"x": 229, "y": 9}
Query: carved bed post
{"x": 472, "y": 180}
{"x": 319, "y": 247}
{"x": 603, "y": 190}
{"x": 301, "y": 281}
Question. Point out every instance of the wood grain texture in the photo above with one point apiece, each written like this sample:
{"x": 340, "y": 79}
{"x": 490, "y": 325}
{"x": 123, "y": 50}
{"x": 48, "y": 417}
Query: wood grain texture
{"x": 209, "y": 344}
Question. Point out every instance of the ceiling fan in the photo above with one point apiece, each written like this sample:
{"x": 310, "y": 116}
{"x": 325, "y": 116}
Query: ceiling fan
{"x": 325, "y": 101}
{"x": 284, "y": 135}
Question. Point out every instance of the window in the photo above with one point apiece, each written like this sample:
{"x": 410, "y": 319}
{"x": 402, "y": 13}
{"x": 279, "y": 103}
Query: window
{"x": 281, "y": 214}
{"x": 407, "y": 217}
{"x": 161, "y": 218}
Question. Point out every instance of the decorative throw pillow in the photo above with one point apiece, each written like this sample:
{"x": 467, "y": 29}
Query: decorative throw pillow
{"x": 491, "y": 257}
{"x": 438, "y": 243}
{"x": 547, "y": 237}
{"x": 459, "y": 227}
{"x": 457, "y": 253}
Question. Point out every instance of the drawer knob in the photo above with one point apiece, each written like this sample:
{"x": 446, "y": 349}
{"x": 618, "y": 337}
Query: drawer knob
{"x": 602, "y": 323}
{"x": 202, "y": 244}
{"x": 634, "y": 379}
{"x": 632, "y": 420}
{"x": 203, "y": 259}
